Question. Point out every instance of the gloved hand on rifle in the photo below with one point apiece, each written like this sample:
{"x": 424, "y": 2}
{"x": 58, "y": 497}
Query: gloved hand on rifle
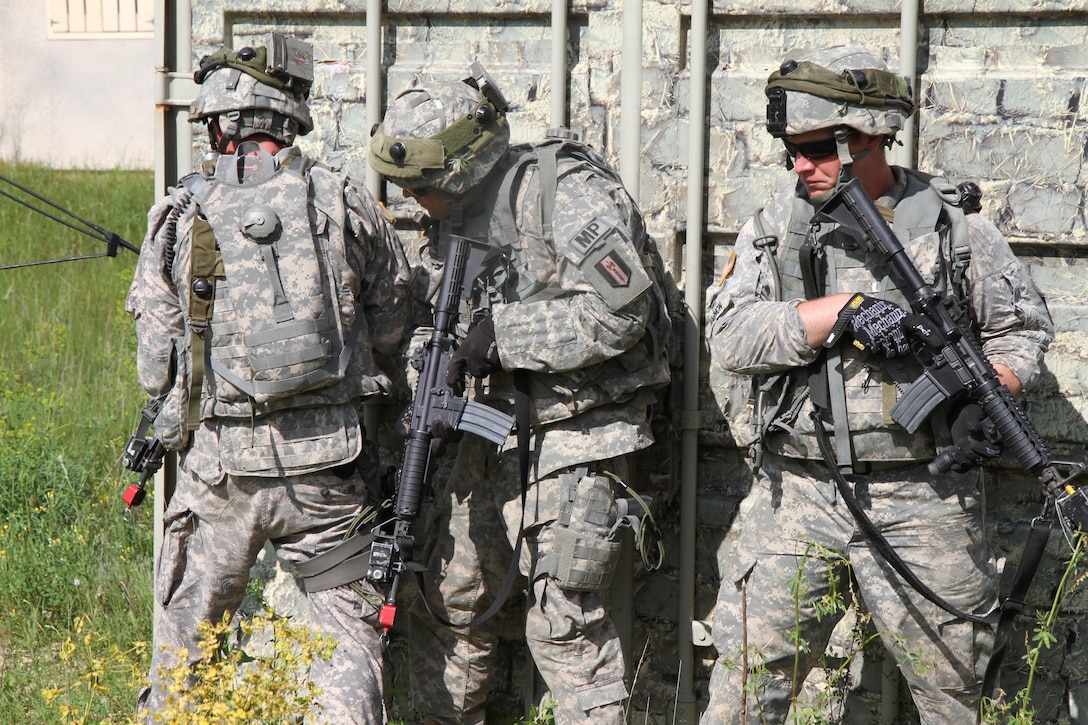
{"x": 975, "y": 438}
{"x": 478, "y": 354}
{"x": 876, "y": 325}
{"x": 442, "y": 433}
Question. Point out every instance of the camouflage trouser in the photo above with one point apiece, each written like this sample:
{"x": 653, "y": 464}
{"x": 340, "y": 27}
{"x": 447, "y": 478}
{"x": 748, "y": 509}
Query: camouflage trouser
{"x": 570, "y": 634}
{"x": 212, "y": 537}
{"x": 936, "y": 526}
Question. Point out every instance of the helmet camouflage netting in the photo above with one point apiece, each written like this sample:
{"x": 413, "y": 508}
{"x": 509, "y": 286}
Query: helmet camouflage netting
{"x": 838, "y": 86}
{"x": 447, "y": 136}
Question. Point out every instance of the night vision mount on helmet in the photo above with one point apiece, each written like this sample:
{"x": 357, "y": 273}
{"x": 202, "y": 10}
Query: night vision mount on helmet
{"x": 447, "y": 136}
{"x": 257, "y": 89}
{"x": 837, "y": 87}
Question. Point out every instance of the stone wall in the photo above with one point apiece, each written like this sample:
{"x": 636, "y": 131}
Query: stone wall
{"x": 1001, "y": 85}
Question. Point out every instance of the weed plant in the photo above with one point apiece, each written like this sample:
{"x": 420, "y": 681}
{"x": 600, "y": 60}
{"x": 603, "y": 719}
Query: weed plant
{"x": 71, "y": 570}
{"x": 75, "y": 576}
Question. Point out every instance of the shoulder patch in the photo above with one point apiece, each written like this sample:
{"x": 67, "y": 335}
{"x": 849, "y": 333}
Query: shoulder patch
{"x": 589, "y": 238}
{"x": 616, "y": 271}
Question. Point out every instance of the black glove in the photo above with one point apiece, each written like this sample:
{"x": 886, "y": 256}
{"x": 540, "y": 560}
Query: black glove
{"x": 975, "y": 438}
{"x": 877, "y": 325}
{"x": 442, "y": 434}
{"x": 478, "y": 354}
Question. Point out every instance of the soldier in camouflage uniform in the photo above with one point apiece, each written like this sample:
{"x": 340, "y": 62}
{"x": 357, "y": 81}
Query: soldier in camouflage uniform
{"x": 571, "y": 316}
{"x": 836, "y": 112}
{"x": 268, "y": 430}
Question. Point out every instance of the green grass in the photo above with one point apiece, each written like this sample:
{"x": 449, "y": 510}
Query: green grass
{"x": 75, "y": 578}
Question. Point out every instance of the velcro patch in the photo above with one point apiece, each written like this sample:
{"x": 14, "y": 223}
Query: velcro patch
{"x": 590, "y": 236}
{"x": 614, "y": 270}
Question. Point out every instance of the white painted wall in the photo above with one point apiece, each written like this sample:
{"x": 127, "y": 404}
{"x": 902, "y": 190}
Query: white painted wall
{"x": 73, "y": 103}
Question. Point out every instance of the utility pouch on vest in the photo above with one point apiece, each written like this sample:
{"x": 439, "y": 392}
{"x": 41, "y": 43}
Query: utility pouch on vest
{"x": 586, "y": 548}
{"x": 206, "y": 266}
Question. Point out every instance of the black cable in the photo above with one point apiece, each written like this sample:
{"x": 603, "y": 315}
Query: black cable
{"x": 113, "y": 240}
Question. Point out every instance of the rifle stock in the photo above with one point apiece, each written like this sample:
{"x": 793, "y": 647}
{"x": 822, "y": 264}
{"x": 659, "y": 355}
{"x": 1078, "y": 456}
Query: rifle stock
{"x": 954, "y": 363}
{"x": 433, "y": 400}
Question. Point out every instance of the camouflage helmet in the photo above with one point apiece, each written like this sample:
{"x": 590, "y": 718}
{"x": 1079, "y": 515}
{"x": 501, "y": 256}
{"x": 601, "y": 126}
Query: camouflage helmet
{"x": 838, "y": 86}
{"x": 259, "y": 89}
{"x": 446, "y": 136}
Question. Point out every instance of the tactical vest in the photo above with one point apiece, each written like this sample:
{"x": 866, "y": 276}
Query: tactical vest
{"x": 638, "y": 371}
{"x": 270, "y": 314}
{"x": 814, "y": 261}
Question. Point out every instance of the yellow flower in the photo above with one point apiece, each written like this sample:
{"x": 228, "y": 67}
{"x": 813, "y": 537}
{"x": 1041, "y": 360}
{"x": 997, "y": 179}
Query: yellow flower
{"x": 52, "y": 693}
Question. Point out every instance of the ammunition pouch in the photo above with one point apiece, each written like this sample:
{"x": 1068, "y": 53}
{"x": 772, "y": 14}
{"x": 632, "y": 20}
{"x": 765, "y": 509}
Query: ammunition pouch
{"x": 586, "y": 546}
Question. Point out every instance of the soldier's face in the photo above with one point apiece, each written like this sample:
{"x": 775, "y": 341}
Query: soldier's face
{"x": 815, "y": 160}
{"x": 430, "y": 201}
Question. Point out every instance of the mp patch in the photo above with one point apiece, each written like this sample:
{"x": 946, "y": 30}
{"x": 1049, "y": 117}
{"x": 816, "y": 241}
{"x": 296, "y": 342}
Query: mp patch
{"x": 615, "y": 271}
{"x": 587, "y": 239}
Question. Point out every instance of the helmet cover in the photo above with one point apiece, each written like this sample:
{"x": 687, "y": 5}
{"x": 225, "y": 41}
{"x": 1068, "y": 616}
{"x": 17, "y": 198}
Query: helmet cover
{"x": 263, "y": 89}
{"x": 447, "y": 136}
{"x": 837, "y": 86}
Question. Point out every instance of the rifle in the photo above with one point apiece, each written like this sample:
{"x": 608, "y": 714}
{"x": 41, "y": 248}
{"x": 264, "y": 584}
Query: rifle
{"x": 953, "y": 361}
{"x": 142, "y": 455}
{"x": 434, "y": 401}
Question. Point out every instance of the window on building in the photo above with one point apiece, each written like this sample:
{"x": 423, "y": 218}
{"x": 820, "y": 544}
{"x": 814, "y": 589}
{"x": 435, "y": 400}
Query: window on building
{"x": 101, "y": 18}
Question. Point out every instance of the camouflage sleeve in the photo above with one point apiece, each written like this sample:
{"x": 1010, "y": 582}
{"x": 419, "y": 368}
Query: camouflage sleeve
{"x": 1013, "y": 321}
{"x": 153, "y": 302}
{"x": 747, "y": 329}
{"x": 593, "y": 303}
{"x": 384, "y": 272}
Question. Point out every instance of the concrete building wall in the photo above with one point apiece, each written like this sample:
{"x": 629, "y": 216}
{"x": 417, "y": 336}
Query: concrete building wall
{"x": 74, "y": 100}
{"x": 1001, "y": 88}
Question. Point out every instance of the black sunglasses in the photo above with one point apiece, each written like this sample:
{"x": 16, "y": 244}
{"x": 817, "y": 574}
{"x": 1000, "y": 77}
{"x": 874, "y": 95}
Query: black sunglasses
{"x": 812, "y": 150}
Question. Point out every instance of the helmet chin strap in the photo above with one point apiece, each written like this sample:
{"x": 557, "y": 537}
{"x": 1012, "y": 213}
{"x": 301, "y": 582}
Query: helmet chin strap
{"x": 846, "y": 159}
{"x": 458, "y": 204}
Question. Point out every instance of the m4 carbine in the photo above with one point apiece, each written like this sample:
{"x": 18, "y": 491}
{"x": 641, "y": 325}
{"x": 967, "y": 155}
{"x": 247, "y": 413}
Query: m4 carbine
{"x": 143, "y": 455}
{"x": 434, "y": 402}
{"x": 954, "y": 363}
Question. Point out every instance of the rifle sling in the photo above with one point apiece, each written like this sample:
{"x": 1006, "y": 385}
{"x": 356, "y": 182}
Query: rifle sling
{"x": 345, "y": 563}
{"x": 1001, "y": 619}
{"x": 1015, "y": 602}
